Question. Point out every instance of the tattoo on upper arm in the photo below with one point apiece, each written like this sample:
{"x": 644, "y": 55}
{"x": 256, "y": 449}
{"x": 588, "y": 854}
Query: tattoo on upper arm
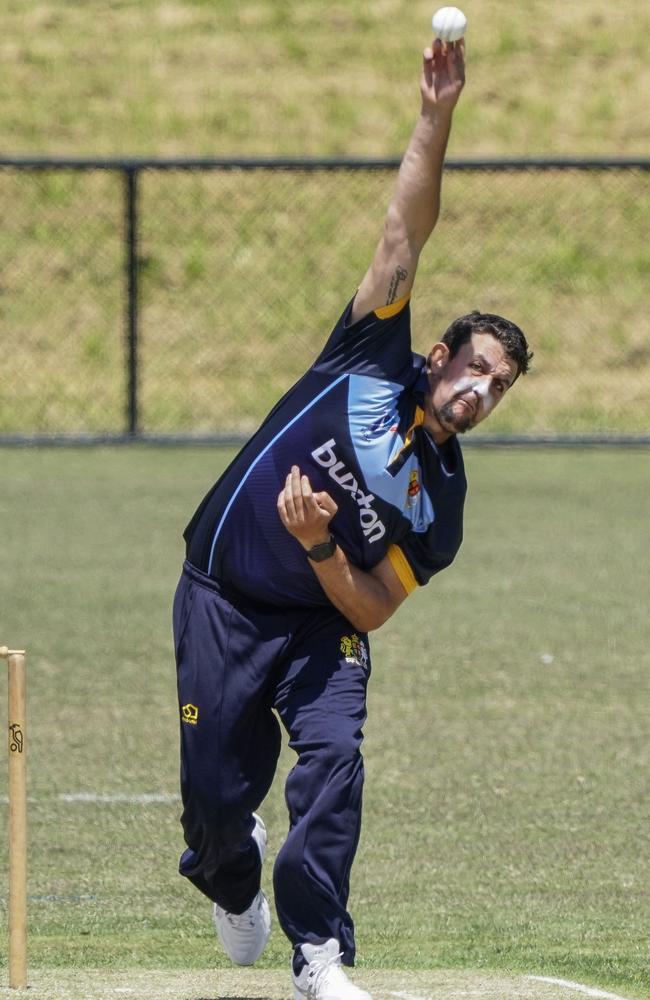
{"x": 399, "y": 274}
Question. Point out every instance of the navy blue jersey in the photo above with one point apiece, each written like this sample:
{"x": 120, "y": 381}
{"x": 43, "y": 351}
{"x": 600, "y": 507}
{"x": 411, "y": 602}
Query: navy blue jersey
{"x": 353, "y": 424}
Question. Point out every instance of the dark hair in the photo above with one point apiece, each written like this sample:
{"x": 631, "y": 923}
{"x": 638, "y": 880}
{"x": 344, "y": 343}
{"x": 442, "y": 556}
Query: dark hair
{"x": 508, "y": 334}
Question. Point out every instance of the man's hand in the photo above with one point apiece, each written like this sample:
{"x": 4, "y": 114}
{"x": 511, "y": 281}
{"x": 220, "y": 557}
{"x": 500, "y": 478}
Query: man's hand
{"x": 443, "y": 75}
{"x": 366, "y": 599}
{"x": 305, "y": 515}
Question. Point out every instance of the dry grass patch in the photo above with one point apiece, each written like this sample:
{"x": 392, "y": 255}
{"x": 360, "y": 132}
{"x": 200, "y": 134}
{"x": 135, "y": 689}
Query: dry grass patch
{"x": 277, "y": 77}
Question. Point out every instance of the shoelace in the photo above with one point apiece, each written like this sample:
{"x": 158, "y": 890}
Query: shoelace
{"x": 319, "y": 973}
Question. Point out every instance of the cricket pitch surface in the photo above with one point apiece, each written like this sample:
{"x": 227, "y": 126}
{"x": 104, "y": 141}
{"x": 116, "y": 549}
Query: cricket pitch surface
{"x": 274, "y": 984}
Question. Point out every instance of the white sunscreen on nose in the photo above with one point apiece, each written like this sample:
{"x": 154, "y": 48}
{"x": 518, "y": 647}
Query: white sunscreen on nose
{"x": 480, "y": 386}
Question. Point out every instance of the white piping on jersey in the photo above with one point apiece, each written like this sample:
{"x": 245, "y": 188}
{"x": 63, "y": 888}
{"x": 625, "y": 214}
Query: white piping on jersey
{"x": 261, "y": 456}
{"x": 441, "y": 461}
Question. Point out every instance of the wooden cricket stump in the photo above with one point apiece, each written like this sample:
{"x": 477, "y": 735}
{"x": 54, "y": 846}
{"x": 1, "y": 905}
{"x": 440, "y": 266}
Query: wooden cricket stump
{"x": 17, "y": 704}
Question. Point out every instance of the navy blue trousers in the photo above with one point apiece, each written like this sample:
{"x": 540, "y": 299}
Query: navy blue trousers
{"x": 237, "y": 661}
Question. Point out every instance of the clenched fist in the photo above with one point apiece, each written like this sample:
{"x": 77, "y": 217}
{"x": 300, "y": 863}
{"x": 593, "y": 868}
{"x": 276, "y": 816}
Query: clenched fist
{"x": 306, "y": 515}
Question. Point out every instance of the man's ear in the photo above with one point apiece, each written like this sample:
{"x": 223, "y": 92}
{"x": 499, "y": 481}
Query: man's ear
{"x": 438, "y": 358}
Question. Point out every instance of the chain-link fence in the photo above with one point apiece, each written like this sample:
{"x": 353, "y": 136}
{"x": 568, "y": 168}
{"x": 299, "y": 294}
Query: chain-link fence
{"x": 183, "y": 299}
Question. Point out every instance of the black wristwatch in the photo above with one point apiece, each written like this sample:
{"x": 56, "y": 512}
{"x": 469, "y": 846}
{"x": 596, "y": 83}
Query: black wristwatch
{"x": 324, "y": 550}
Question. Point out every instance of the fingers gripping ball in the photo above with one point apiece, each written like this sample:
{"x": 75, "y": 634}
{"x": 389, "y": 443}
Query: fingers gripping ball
{"x": 449, "y": 24}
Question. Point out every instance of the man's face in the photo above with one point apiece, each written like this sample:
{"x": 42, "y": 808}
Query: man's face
{"x": 465, "y": 389}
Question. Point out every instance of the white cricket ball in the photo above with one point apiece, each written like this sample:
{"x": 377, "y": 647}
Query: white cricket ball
{"x": 449, "y": 24}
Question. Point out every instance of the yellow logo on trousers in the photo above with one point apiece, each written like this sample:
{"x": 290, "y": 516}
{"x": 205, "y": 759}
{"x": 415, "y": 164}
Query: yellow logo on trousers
{"x": 190, "y": 714}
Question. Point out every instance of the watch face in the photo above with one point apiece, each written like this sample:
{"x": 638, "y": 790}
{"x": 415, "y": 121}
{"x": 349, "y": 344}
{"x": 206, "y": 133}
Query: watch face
{"x": 323, "y": 551}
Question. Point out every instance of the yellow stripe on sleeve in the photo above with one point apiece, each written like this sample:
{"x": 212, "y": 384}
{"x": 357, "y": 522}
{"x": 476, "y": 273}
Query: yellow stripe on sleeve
{"x": 385, "y": 312}
{"x": 402, "y": 567}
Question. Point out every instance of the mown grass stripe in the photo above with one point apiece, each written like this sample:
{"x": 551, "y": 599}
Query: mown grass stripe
{"x": 589, "y": 991}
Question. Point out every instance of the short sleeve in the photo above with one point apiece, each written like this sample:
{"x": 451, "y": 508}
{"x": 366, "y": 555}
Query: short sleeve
{"x": 378, "y": 344}
{"x": 423, "y": 557}
{"x": 422, "y": 554}
{"x": 402, "y": 568}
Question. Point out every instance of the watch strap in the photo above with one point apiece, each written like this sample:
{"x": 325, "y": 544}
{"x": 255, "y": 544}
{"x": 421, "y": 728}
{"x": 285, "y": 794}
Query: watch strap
{"x": 324, "y": 550}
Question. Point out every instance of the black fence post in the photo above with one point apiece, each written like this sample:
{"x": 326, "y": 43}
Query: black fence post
{"x": 131, "y": 268}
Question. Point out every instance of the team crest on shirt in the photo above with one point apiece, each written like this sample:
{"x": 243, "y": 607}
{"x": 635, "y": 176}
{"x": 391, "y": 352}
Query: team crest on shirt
{"x": 354, "y": 650}
{"x": 413, "y": 488}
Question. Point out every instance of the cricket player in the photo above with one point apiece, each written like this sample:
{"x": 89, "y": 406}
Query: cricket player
{"x": 348, "y": 497}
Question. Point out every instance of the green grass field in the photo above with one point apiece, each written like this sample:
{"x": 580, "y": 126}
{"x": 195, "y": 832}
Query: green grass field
{"x": 506, "y": 808}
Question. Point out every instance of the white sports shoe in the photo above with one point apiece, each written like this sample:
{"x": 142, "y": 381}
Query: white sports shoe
{"x": 323, "y": 978}
{"x": 244, "y": 936}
